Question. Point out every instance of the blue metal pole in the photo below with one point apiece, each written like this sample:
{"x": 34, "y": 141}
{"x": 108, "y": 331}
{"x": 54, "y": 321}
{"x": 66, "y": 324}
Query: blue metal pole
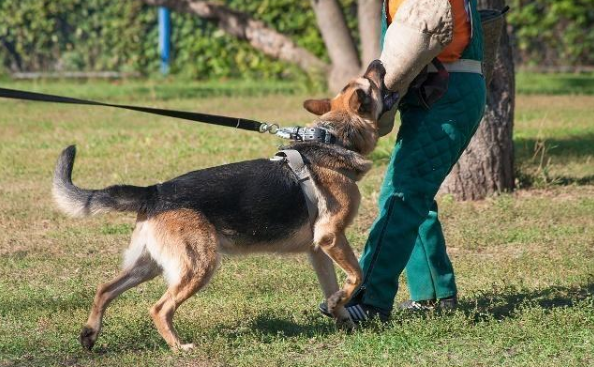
{"x": 164, "y": 38}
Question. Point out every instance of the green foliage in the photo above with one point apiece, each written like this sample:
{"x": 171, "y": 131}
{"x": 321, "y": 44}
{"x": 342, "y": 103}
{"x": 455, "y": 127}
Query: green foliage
{"x": 122, "y": 35}
{"x": 75, "y": 35}
{"x": 554, "y": 33}
{"x": 93, "y": 35}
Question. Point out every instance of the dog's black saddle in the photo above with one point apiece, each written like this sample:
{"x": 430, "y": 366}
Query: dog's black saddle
{"x": 295, "y": 162}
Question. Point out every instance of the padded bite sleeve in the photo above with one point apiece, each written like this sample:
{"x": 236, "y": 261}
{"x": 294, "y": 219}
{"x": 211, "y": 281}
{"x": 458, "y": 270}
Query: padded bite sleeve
{"x": 421, "y": 29}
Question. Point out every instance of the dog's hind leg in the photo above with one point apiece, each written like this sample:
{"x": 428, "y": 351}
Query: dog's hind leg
{"x": 140, "y": 268}
{"x": 188, "y": 252}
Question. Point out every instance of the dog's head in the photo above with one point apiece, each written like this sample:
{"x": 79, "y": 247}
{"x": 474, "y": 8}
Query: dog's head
{"x": 352, "y": 116}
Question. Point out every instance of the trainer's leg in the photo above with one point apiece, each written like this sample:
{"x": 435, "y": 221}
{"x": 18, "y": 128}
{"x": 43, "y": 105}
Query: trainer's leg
{"x": 429, "y": 141}
{"x": 430, "y": 274}
{"x": 388, "y": 249}
{"x": 429, "y": 271}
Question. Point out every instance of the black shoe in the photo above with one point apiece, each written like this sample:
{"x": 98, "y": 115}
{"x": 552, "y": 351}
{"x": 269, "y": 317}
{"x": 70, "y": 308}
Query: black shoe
{"x": 444, "y": 304}
{"x": 359, "y": 312}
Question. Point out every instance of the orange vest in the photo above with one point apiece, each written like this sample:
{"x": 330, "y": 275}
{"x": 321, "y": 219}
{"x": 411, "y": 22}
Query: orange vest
{"x": 461, "y": 38}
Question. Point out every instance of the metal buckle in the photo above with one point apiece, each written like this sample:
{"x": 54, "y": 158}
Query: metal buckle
{"x": 268, "y": 127}
{"x": 306, "y": 134}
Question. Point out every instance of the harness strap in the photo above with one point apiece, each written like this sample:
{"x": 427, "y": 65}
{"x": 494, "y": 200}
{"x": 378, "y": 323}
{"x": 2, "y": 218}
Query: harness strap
{"x": 295, "y": 162}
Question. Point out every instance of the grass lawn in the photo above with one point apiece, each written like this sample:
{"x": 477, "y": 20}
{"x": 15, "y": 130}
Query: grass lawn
{"x": 524, "y": 261}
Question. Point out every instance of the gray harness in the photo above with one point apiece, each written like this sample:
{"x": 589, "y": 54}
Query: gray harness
{"x": 295, "y": 162}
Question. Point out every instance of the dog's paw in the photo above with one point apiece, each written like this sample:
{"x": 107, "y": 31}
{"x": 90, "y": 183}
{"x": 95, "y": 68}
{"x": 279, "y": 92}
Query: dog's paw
{"x": 335, "y": 300}
{"x": 345, "y": 324}
{"x": 187, "y": 347}
{"x": 184, "y": 347}
{"x": 88, "y": 337}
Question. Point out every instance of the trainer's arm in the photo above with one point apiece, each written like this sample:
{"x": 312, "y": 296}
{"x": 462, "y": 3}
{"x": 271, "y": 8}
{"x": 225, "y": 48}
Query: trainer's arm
{"x": 420, "y": 30}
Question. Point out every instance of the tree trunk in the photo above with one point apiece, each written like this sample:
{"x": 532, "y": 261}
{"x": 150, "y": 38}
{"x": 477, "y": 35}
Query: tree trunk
{"x": 487, "y": 165}
{"x": 339, "y": 43}
{"x": 369, "y": 13}
{"x": 242, "y": 26}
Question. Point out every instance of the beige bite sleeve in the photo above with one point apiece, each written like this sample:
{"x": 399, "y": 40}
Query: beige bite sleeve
{"x": 421, "y": 29}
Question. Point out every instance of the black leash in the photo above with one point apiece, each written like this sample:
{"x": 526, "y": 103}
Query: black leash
{"x": 236, "y": 122}
{"x": 292, "y": 133}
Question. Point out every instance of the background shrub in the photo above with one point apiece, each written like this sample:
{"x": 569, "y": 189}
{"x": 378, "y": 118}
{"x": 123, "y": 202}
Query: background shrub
{"x": 92, "y": 35}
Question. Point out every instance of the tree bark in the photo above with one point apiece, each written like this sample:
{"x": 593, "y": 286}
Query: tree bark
{"x": 339, "y": 43}
{"x": 242, "y": 26}
{"x": 487, "y": 165}
{"x": 369, "y": 13}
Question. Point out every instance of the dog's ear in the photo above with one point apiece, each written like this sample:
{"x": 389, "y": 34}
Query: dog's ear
{"x": 317, "y": 106}
{"x": 360, "y": 101}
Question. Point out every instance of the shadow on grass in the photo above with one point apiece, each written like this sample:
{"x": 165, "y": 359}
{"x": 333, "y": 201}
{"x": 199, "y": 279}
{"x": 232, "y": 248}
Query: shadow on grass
{"x": 531, "y": 180}
{"x": 43, "y": 303}
{"x": 574, "y": 146}
{"x": 505, "y": 304}
{"x": 533, "y": 155}
{"x": 272, "y": 325}
{"x": 581, "y": 181}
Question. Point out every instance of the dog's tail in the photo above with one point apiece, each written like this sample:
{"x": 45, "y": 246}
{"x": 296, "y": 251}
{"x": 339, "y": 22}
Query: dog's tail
{"x": 79, "y": 202}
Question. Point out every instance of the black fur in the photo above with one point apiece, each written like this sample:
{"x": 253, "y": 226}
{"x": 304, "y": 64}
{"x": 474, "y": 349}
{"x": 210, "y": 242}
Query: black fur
{"x": 256, "y": 201}
{"x": 252, "y": 201}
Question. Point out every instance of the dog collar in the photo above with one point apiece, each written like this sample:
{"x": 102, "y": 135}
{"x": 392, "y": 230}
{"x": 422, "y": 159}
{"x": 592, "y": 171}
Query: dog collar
{"x": 317, "y": 134}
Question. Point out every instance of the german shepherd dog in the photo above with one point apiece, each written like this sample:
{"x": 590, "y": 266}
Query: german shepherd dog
{"x": 185, "y": 224}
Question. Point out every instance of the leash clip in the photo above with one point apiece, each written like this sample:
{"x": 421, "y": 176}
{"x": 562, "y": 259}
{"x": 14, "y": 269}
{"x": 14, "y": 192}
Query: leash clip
{"x": 269, "y": 127}
{"x": 287, "y": 132}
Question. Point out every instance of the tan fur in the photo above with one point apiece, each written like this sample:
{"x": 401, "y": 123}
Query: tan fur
{"x": 185, "y": 247}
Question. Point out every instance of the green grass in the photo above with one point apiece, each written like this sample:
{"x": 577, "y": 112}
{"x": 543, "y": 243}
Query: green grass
{"x": 554, "y": 140}
{"x": 157, "y": 89}
{"x": 555, "y": 84}
{"x": 523, "y": 260}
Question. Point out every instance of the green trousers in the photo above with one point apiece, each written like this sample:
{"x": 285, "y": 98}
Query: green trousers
{"x": 407, "y": 233}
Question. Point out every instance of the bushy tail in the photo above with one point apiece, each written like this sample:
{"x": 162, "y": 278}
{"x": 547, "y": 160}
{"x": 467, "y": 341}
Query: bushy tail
{"x": 79, "y": 202}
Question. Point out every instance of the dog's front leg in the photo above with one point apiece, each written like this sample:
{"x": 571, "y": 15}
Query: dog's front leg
{"x": 336, "y": 246}
{"x": 326, "y": 274}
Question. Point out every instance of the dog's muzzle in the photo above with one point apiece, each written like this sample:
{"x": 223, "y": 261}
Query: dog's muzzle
{"x": 390, "y": 99}
{"x": 376, "y": 73}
